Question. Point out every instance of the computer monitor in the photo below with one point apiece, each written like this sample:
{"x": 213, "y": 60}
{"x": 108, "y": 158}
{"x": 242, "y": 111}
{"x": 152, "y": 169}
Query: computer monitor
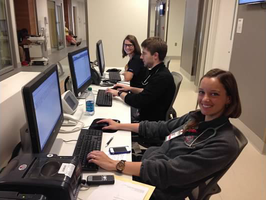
{"x": 80, "y": 70}
{"x": 43, "y": 108}
{"x": 100, "y": 56}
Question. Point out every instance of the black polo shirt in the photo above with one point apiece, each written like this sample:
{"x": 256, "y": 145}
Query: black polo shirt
{"x": 154, "y": 101}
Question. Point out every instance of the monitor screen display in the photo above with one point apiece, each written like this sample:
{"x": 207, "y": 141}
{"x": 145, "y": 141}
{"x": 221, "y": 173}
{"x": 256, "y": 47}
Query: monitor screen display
{"x": 250, "y": 1}
{"x": 43, "y": 108}
{"x": 100, "y": 56}
{"x": 80, "y": 69}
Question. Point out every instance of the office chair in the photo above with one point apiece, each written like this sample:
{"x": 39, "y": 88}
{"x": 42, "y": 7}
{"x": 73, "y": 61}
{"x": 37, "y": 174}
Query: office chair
{"x": 209, "y": 187}
{"x": 171, "y": 113}
{"x": 167, "y": 61}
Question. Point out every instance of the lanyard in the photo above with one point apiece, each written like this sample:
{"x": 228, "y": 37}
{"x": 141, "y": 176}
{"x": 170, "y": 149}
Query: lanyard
{"x": 145, "y": 82}
{"x": 181, "y": 132}
{"x": 208, "y": 129}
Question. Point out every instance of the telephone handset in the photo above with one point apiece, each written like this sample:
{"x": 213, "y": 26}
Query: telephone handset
{"x": 71, "y": 113}
{"x": 70, "y": 120}
{"x": 96, "y": 79}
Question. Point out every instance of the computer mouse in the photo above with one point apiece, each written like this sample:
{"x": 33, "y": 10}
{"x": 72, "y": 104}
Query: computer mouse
{"x": 99, "y": 126}
{"x": 113, "y": 70}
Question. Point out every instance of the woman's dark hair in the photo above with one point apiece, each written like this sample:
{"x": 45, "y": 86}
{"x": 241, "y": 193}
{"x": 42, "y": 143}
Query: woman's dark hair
{"x": 134, "y": 41}
{"x": 227, "y": 79}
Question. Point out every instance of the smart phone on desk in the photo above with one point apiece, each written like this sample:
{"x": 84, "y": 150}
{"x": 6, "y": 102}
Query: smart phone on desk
{"x": 119, "y": 150}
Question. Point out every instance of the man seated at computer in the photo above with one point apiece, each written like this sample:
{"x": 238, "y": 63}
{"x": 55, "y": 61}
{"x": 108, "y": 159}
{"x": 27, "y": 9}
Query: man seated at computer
{"x": 155, "y": 98}
{"x": 135, "y": 71}
{"x": 196, "y": 145}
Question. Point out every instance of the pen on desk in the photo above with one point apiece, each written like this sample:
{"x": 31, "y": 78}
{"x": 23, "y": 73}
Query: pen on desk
{"x": 109, "y": 141}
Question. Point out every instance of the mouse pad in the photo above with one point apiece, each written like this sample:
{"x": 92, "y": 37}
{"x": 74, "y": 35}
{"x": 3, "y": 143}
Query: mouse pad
{"x": 94, "y": 125}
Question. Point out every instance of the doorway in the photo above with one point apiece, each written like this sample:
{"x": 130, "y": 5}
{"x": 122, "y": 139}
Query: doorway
{"x": 158, "y": 18}
{"x": 75, "y": 20}
{"x": 56, "y": 25}
{"x": 78, "y": 20}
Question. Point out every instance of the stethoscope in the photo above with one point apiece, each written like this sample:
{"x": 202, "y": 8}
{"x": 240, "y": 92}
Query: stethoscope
{"x": 208, "y": 129}
{"x": 145, "y": 82}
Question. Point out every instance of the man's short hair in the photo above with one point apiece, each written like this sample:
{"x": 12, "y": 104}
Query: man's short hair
{"x": 155, "y": 44}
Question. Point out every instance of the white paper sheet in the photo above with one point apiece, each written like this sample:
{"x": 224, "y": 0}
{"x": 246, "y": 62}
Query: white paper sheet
{"x": 122, "y": 156}
{"x": 119, "y": 191}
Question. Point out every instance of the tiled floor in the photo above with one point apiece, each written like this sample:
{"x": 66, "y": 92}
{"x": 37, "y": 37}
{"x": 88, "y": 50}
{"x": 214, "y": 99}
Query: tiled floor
{"x": 246, "y": 179}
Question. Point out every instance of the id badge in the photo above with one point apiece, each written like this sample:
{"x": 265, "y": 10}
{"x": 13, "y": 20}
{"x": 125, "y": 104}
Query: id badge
{"x": 173, "y": 135}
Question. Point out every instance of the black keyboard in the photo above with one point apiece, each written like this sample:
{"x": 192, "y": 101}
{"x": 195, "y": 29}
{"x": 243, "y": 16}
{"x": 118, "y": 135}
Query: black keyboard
{"x": 104, "y": 98}
{"x": 88, "y": 141}
{"x": 114, "y": 76}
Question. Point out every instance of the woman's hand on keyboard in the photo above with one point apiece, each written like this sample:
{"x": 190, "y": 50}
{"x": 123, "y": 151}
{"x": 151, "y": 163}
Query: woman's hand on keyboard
{"x": 102, "y": 160}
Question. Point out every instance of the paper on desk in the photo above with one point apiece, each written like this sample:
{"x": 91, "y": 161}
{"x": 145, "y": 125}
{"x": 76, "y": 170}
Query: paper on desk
{"x": 123, "y": 189}
{"x": 122, "y": 156}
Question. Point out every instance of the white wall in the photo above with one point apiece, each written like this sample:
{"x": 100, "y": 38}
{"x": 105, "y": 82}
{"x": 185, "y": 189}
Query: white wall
{"x": 221, "y": 35}
{"x": 175, "y": 27}
{"x": 111, "y": 21}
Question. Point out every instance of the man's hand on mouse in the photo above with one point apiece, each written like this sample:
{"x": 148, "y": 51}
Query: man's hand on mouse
{"x": 112, "y": 124}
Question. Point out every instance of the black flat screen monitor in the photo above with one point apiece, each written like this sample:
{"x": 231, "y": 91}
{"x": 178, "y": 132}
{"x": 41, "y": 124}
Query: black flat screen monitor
{"x": 251, "y": 1}
{"x": 100, "y": 56}
{"x": 43, "y": 108}
{"x": 80, "y": 69}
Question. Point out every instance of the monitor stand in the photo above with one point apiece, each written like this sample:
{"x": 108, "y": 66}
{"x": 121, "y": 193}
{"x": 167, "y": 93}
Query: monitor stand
{"x": 58, "y": 143}
{"x": 83, "y": 95}
{"x": 26, "y": 141}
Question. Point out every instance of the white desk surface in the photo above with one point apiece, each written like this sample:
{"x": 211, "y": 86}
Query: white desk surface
{"x": 120, "y": 111}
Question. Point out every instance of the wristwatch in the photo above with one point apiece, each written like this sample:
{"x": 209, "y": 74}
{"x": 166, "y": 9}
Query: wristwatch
{"x": 119, "y": 93}
{"x": 120, "y": 166}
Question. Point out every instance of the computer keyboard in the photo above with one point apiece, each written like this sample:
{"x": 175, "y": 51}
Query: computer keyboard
{"x": 88, "y": 141}
{"x": 114, "y": 76}
{"x": 104, "y": 98}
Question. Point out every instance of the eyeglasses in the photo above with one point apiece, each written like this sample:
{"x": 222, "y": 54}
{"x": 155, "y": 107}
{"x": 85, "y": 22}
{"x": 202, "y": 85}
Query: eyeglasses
{"x": 128, "y": 45}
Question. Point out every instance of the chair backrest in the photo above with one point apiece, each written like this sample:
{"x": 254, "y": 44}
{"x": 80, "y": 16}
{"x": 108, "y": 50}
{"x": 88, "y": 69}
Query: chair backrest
{"x": 177, "y": 79}
{"x": 167, "y": 62}
{"x": 209, "y": 187}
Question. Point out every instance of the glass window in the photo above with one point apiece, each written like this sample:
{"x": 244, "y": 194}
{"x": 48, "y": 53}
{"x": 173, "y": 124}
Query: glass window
{"x": 5, "y": 52}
